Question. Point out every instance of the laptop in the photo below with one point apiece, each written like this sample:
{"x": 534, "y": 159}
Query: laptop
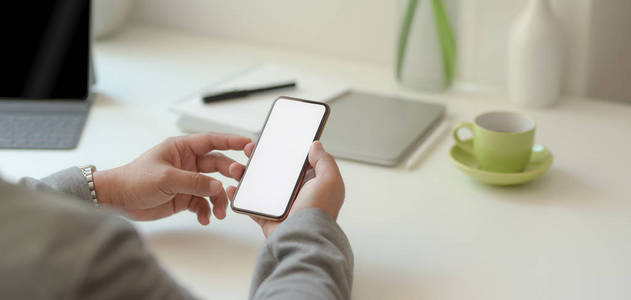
{"x": 45, "y": 73}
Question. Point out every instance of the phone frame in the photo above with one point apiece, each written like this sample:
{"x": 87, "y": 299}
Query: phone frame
{"x": 305, "y": 165}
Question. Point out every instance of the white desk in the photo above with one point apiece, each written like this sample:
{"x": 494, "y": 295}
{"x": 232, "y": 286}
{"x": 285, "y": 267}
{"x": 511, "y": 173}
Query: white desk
{"x": 431, "y": 233}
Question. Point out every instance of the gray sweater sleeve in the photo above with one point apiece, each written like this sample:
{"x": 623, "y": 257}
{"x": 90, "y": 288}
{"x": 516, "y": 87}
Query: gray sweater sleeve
{"x": 70, "y": 182}
{"x": 118, "y": 266}
{"x": 72, "y": 250}
{"x": 306, "y": 257}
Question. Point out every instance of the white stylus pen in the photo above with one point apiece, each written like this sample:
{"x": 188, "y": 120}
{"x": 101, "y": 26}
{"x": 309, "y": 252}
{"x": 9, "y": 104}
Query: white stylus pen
{"x": 427, "y": 145}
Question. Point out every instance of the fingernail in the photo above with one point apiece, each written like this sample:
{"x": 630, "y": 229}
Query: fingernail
{"x": 215, "y": 187}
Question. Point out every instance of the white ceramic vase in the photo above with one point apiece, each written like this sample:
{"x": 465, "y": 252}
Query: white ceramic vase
{"x": 536, "y": 56}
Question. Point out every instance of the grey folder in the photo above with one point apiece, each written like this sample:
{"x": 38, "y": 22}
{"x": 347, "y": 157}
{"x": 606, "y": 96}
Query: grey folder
{"x": 378, "y": 129}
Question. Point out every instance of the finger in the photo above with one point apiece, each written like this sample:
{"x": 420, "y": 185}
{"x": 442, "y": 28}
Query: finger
{"x": 322, "y": 162}
{"x": 230, "y": 191}
{"x": 161, "y": 211}
{"x": 176, "y": 205}
{"x": 248, "y": 149}
{"x": 178, "y": 181}
{"x": 203, "y": 143}
{"x": 220, "y": 202}
{"x": 180, "y": 203}
{"x": 236, "y": 171}
{"x": 309, "y": 174}
{"x": 201, "y": 207}
{"x": 193, "y": 205}
{"x": 217, "y": 162}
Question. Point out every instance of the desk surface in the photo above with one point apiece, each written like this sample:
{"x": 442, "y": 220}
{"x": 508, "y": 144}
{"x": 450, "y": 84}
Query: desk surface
{"x": 430, "y": 233}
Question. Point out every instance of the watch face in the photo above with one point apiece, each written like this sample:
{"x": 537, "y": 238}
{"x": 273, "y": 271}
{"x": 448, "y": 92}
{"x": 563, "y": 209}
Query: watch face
{"x": 91, "y": 168}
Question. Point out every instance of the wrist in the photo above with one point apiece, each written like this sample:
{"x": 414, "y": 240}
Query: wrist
{"x": 268, "y": 228}
{"x": 103, "y": 183}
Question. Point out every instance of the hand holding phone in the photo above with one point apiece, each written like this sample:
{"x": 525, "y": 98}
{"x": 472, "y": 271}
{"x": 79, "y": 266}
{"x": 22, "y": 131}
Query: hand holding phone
{"x": 323, "y": 187}
{"x": 278, "y": 165}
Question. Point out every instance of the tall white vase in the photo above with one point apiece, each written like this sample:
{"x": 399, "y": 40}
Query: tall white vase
{"x": 536, "y": 56}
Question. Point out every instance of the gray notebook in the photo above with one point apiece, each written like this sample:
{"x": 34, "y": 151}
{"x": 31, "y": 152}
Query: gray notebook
{"x": 378, "y": 129}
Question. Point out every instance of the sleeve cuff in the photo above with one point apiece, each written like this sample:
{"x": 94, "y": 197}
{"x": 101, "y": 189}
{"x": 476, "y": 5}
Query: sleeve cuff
{"x": 311, "y": 221}
{"x": 69, "y": 182}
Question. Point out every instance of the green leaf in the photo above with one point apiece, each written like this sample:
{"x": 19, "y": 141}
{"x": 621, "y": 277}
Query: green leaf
{"x": 404, "y": 34}
{"x": 446, "y": 39}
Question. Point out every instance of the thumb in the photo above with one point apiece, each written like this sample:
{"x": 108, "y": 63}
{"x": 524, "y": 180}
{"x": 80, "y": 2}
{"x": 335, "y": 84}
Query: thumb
{"x": 321, "y": 161}
{"x": 185, "y": 182}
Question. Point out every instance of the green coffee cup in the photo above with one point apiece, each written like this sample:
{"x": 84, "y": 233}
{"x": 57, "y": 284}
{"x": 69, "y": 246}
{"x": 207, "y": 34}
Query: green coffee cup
{"x": 502, "y": 140}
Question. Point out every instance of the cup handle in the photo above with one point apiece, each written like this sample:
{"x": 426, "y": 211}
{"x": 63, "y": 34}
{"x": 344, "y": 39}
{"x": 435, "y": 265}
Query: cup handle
{"x": 460, "y": 143}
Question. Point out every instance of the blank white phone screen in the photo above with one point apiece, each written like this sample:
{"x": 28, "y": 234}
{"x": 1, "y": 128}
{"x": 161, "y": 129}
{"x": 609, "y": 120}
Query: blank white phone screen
{"x": 277, "y": 161}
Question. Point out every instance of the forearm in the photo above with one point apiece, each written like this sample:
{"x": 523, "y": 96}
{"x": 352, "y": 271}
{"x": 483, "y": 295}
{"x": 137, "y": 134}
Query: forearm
{"x": 106, "y": 255}
{"x": 71, "y": 182}
{"x": 306, "y": 257}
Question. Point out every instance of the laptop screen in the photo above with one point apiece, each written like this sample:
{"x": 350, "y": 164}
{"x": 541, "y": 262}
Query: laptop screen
{"x": 45, "y": 49}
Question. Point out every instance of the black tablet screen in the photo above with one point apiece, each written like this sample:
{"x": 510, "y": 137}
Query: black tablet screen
{"x": 44, "y": 49}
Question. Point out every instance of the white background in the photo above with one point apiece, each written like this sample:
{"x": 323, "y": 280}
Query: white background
{"x": 599, "y": 62}
{"x": 427, "y": 233}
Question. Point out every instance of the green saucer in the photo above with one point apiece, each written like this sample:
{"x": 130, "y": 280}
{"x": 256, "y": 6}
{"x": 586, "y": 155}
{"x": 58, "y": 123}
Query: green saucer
{"x": 540, "y": 161}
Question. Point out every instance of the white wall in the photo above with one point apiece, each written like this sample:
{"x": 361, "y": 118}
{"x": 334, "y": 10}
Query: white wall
{"x": 367, "y": 30}
{"x": 485, "y": 28}
{"x": 358, "y": 29}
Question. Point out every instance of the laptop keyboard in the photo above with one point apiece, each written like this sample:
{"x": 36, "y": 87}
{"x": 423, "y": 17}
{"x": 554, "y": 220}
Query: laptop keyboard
{"x": 50, "y": 130}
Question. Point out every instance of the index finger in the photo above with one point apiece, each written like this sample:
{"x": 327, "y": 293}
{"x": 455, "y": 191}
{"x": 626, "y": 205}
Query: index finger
{"x": 202, "y": 143}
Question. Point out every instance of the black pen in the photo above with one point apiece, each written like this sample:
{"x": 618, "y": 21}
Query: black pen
{"x": 246, "y": 92}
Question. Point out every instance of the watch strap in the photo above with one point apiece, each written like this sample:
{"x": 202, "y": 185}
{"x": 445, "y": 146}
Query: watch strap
{"x": 88, "y": 172}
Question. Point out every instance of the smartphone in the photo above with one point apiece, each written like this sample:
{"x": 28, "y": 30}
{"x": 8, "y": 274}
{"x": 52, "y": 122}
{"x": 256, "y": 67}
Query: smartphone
{"x": 278, "y": 163}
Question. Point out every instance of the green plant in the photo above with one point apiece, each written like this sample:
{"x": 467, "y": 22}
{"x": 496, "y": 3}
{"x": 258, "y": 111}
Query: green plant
{"x": 444, "y": 32}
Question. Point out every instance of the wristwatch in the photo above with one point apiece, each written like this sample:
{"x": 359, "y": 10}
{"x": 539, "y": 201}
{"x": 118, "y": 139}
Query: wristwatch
{"x": 87, "y": 173}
